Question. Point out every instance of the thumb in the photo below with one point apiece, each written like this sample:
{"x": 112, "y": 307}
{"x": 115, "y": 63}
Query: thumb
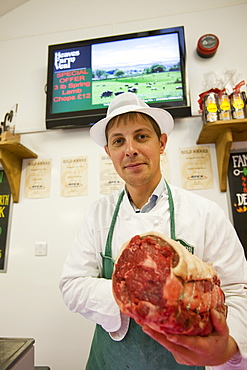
{"x": 219, "y": 322}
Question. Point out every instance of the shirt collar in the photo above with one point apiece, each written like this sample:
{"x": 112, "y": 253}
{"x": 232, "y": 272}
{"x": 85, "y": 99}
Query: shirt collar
{"x": 156, "y": 195}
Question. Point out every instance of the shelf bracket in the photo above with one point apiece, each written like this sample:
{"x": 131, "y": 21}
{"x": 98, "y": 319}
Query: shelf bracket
{"x": 223, "y": 147}
{"x": 223, "y": 134}
{"x": 11, "y": 156}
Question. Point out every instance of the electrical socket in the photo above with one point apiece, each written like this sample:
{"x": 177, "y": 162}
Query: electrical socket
{"x": 40, "y": 249}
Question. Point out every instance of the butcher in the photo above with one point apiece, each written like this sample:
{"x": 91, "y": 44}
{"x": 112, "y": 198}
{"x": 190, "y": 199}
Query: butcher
{"x": 134, "y": 135}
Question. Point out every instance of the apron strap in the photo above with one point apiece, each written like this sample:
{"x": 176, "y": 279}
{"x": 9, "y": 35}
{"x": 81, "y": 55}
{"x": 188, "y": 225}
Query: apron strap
{"x": 172, "y": 222}
{"x": 107, "y": 260}
{"x": 172, "y": 215}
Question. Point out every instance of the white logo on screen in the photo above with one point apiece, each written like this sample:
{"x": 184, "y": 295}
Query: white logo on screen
{"x": 66, "y": 59}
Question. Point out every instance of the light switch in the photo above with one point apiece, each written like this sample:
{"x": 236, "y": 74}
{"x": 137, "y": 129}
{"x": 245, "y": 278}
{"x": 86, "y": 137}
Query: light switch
{"x": 40, "y": 249}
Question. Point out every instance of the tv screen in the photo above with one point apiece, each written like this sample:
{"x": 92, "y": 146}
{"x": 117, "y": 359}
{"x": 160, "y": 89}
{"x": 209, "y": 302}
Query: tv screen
{"x": 84, "y": 76}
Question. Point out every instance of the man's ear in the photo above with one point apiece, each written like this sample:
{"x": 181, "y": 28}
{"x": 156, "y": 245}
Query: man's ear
{"x": 107, "y": 150}
{"x": 163, "y": 141}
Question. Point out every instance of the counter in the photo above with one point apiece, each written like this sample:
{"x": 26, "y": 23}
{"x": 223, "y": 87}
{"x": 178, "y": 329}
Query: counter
{"x": 16, "y": 354}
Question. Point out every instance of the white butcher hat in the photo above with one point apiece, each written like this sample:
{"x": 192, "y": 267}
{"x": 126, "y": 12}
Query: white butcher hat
{"x": 130, "y": 102}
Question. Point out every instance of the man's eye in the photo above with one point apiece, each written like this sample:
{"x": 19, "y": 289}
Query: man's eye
{"x": 117, "y": 142}
{"x": 143, "y": 136}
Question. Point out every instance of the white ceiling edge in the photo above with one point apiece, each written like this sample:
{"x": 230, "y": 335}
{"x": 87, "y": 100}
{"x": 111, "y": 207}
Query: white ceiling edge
{"x": 9, "y": 5}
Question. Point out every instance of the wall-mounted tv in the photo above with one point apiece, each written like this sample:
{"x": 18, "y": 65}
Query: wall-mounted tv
{"x": 84, "y": 76}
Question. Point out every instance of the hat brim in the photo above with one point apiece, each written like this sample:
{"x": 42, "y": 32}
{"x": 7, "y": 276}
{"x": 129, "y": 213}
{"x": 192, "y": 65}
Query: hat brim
{"x": 162, "y": 117}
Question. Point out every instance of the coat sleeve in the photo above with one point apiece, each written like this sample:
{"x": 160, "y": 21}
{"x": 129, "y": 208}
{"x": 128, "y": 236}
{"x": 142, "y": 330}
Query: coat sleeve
{"x": 223, "y": 248}
{"x": 83, "y": 290}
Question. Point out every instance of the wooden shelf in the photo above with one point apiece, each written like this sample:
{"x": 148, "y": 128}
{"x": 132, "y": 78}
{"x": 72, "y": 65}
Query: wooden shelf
{"x": 11, "y": 155}
{"x": 223, "y": 134}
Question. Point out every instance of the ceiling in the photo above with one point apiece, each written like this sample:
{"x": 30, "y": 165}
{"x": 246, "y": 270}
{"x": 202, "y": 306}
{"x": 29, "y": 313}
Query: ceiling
{"x": 8, "y": 5}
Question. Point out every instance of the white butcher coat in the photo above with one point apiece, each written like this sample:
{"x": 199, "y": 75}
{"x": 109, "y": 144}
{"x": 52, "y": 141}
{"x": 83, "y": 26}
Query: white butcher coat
{"x": 199, "y": 221}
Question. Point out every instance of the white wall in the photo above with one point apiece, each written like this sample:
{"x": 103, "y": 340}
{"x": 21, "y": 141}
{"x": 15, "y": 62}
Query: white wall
{"x": 31, "y": 304}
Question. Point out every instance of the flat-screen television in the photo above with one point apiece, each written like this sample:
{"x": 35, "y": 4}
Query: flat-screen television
{"x": 84, "y": 76}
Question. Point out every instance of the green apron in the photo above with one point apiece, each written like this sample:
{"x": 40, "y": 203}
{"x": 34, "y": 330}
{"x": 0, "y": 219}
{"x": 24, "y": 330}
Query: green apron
{"x": 137, "y": 350}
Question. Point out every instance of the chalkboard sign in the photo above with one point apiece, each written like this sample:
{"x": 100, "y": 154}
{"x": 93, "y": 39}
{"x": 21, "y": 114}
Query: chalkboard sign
{"x": 5, "y": 205}
{"x": 237, "y": 179}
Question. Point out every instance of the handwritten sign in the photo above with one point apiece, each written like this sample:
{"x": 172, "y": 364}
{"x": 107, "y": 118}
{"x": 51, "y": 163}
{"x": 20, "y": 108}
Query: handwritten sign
{"x": 5, "y": 204}
{"x": 237, "y": 179}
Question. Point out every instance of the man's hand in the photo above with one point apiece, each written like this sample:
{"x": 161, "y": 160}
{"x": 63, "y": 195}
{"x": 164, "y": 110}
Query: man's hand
{"x": 213, "y": 350}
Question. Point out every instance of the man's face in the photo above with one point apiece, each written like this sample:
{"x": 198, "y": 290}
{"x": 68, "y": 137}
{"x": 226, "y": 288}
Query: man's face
{"x": 135, "y": 150}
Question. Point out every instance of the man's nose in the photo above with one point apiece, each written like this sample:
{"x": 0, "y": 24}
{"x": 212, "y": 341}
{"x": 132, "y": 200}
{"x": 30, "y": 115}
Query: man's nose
{"x": 130, "y": 149}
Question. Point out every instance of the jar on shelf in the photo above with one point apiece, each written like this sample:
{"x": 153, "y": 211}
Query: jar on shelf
{"x": 238, "y": 102}
{"x": 224, "y": 106}
{"x": 238, "y": 105}
{"x": 210, "y": 107}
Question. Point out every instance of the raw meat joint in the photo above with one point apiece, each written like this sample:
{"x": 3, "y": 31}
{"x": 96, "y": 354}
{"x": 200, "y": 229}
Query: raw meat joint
{"x": 157, "y": 282}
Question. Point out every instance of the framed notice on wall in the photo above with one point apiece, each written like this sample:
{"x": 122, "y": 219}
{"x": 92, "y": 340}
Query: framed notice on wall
{"x": 237, "y": 180}
{"x": 5, "y": 206}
